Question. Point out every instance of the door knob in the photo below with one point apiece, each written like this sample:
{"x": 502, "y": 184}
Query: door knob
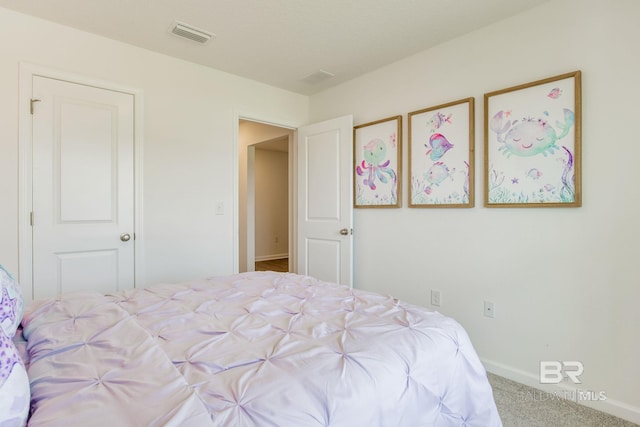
{"x": 125, "y": 237}
{"x": 344, "y": 231}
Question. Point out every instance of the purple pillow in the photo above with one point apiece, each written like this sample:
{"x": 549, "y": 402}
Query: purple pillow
{"x": 14, "y": 383}
{"x": 11, "y": 303}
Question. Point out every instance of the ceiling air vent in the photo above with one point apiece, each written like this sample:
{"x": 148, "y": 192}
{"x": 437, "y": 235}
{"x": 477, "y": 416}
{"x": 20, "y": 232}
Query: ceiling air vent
{"x": 191, "y": 33}
{"x": 317, "y": 77}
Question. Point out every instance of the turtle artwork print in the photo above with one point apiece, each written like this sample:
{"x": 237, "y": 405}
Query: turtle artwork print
{"x": 532, "y": 144}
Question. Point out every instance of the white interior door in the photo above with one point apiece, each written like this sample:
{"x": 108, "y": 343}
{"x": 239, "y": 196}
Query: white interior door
{"x": 83, "y": 188}
{"x": 325, "y": 212}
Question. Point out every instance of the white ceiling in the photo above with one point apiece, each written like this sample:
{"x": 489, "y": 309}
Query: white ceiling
{"x": 279, "y": 42}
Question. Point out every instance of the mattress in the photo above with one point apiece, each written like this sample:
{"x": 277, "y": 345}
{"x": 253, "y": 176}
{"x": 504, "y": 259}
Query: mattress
{"x": 252, "y": 349}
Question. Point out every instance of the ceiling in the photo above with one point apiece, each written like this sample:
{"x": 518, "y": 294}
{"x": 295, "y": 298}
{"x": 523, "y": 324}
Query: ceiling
{"x": 280, "y": 42}
{"x": 281, "y": 145}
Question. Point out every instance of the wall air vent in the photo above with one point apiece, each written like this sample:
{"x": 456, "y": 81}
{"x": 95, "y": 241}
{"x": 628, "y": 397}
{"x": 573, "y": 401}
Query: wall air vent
{"x": 188, "y": 32}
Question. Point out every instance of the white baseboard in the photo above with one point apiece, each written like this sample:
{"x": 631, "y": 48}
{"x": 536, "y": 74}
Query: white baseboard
{"x": 270, "y": 257}
{"x": 610, "y": 406}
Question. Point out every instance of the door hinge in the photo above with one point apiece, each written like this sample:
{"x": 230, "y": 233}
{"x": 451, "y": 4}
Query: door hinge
{"x": 31, "y": 218}
{"x": 33, "y": 101}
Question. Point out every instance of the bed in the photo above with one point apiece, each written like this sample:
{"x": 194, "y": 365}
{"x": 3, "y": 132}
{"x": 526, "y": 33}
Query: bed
{"x": 251, "y": 349}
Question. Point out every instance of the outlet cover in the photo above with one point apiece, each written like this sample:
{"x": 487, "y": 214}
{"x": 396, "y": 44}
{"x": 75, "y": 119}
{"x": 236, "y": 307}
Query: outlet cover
{"x": 436, "y": 298}
{"x": 489, "y": 309}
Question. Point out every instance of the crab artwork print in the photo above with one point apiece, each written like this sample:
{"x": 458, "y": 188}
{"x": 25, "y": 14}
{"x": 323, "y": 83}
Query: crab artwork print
{"x": 532, "y": 144}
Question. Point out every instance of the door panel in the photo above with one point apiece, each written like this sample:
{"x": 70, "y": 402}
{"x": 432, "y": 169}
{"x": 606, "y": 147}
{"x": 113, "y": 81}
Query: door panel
{"x": 75, "y": 267}
{"x": 325, "y": 153}
{"x": 323, "y": 259}
{"x": 323, "y": 176}
{"x": 83, "y": 197}
{"x": 86, "y": 149}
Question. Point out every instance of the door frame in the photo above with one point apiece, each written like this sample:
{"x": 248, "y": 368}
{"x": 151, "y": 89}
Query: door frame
{"x": 25, "y": 171}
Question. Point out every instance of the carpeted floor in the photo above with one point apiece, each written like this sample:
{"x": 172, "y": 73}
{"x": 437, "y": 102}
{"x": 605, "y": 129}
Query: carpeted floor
{"x": 522, "y": 406}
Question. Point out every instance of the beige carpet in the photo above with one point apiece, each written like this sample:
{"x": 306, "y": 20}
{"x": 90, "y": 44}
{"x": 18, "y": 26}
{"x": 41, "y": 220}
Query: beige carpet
{"x": 522, "y": 406}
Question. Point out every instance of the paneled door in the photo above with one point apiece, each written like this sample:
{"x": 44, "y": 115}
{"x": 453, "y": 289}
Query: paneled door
{"x": 82, "y": 188}
{"x": 325, "y": 200}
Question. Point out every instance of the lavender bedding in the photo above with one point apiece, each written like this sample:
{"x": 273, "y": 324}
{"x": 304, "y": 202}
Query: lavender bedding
{"x": 254, "y": 349}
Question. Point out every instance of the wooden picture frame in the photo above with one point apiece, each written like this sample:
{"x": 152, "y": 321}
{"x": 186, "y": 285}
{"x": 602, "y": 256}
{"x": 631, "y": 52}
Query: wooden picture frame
{"x": 441, "y": 155}
{"x": 377, "y": 172}
{"x": 532, "y": 144}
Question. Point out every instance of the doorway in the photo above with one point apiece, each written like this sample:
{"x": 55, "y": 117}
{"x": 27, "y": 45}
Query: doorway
{"x": 265, "y": 197}
{"x": 320, "y": 194}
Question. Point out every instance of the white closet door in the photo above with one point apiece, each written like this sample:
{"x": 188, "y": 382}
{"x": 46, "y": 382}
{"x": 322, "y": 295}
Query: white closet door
{"x": 83, "y": 188}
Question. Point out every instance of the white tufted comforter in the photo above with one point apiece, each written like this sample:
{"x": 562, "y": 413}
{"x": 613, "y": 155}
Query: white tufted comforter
{"x": 254, "y": 349}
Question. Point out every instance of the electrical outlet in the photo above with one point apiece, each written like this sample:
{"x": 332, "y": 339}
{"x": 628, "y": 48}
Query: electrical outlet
{"x": 489, "y": 309}
{"x": 436, "y": 298}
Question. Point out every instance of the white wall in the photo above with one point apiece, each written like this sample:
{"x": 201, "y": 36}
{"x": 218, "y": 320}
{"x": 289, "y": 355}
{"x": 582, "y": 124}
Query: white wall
{"x": 190, "y": 130}
{"x": 272, "y": 204}
{"x": 565, "y": 282}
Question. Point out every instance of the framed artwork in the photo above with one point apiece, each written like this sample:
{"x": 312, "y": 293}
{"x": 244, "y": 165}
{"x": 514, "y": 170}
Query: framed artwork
{"x": 441, "y": 153}
{"x": 532, "y": 144}
{"x": 377, "y": 154}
